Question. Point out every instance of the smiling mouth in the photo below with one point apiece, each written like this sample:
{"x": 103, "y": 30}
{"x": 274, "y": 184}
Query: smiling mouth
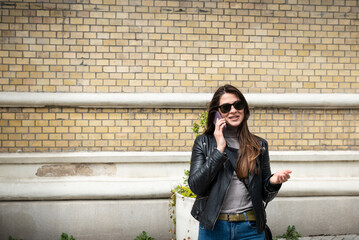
{"x": 233, "y": 118}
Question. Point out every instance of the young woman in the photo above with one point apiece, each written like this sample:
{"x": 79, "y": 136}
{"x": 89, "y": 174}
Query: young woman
{"x": 230, "y": 172}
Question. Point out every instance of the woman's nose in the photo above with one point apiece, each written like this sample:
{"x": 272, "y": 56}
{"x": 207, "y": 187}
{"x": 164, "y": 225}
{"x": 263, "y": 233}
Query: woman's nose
{"x": 233, "y": 109}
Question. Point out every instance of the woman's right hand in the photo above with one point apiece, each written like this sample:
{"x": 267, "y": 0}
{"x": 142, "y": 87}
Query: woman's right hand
{"x": 218, "y": 134}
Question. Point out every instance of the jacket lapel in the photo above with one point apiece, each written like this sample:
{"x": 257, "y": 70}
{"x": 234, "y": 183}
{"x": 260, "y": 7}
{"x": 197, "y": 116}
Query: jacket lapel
{"x": 233, "y": 156}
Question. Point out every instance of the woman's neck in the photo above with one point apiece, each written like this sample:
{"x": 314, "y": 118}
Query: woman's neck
{"x": 231, "y": 136}
{"x": 230, "y": 132}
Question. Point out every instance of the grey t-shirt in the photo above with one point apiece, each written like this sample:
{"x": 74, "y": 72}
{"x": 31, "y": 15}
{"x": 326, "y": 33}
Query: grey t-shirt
{"x": 237, "y": 199}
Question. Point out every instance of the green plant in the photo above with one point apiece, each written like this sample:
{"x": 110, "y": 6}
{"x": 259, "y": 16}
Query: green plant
{"x": 143, "y": 236}
{"x": 291, "y": 234}
{"x": 11, "y": 238}
{"x": 198, "y": 128}
{"x": 183, "y": 189}
{"x": 64, "y": 236}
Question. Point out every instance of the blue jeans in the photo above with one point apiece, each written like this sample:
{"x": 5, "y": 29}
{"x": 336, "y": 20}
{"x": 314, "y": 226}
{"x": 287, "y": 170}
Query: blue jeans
{"x": 224, "y": 230}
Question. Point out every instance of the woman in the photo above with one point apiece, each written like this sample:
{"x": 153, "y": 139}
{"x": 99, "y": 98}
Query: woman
{"x": 230, "y": 172}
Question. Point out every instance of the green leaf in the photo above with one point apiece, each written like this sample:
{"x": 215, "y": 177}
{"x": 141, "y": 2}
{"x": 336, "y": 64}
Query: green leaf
{"x": 199, "y": 128}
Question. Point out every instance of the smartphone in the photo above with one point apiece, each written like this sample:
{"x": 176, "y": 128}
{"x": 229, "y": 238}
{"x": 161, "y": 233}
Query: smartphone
{"x": 217, "y": 117}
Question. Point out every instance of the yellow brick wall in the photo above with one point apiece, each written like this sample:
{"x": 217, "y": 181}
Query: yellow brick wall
{"x": 76, "y": 129}
{"x": 307, "y": 129}
{"x": 127, "y": 46}
{"x": 273, "y": 46}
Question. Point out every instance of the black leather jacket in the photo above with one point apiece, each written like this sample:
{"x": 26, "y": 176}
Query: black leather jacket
{"x": 210, "y": 176}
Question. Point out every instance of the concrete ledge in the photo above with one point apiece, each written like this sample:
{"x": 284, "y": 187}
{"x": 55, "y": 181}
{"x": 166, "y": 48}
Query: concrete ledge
{"x": 172, "y": 100}
{"x": 94, "y": 157}
{"x": 85, "y": 188}
{"x": 126, "y": 193}
{"x": 311, "y": 186}
{"x": 138, "y": 175}
{"x": 100, "y": 188}
{"x": 184, "y": 157}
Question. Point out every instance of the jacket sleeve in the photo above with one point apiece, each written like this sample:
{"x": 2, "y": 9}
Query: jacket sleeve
{"x": 270, "y": 191}
{"x": 205, "y": 165}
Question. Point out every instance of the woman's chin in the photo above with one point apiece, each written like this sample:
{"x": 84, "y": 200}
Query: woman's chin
{"x": 233, "y": 124}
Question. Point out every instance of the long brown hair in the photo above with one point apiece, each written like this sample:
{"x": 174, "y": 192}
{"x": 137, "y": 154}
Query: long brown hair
{"x": 248, "y": 143}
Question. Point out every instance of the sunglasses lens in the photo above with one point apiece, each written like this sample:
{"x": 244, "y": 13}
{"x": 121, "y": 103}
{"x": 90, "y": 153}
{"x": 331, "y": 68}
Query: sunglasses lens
{"x": 238, "y": 105}
{"x": 225, "y": 108}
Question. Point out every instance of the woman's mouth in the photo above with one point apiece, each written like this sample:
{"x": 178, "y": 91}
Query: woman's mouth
{"x": 233, "y": 118}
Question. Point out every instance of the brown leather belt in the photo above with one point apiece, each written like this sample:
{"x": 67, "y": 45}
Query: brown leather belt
{"x": 238, "y": 217}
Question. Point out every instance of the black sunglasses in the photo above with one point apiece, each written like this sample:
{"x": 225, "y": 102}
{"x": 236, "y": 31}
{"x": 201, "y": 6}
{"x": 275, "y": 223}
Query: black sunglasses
{"x": 226, "y": 107}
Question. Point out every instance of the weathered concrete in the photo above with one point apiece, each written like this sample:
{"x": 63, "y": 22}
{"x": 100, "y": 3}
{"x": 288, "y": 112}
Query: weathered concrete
{"x": 80, "y": 169}
{"x": 125, "y": 219}
{"x": 85, "y": 220}
{"x": 314, "y": 215}
{"x": 152, "y": 175}
{"x": 117, "y": 195}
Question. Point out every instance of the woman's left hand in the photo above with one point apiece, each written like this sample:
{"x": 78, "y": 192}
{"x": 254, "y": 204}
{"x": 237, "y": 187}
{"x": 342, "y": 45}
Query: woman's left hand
{"x": 280, "y": 176}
